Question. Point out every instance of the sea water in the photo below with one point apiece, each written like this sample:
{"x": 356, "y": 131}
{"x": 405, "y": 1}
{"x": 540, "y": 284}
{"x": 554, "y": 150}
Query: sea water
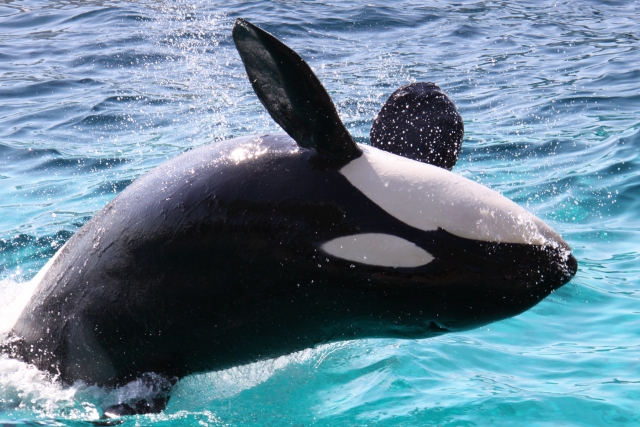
{"x": 93, "y": 94}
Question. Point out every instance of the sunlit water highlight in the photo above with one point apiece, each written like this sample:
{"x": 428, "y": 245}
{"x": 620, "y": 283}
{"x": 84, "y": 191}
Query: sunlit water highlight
{"x": 93, "y": 94}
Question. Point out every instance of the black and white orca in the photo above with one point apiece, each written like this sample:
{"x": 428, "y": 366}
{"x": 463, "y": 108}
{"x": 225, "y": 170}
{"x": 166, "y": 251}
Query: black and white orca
{"x": 264, "y": 245}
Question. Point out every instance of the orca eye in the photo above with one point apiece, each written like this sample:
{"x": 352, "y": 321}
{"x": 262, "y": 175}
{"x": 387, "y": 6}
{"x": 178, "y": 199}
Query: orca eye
{"x": 379, "y": 249}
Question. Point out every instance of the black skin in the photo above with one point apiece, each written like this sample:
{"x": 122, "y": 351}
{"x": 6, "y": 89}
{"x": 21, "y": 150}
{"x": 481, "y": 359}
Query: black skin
{"x": 205, "y": 263}
{"x": 420, "y": 122}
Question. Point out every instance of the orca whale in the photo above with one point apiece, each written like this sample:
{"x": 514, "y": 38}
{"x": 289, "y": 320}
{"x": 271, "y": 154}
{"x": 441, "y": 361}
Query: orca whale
{"x": 264, "y": 245}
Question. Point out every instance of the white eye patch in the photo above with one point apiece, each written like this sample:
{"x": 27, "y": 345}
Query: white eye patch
{"x": 384, "y": 250}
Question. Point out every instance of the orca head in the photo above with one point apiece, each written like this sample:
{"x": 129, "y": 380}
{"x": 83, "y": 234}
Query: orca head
{"x": 448, "y": 254}
{"x": 489, "y": 257}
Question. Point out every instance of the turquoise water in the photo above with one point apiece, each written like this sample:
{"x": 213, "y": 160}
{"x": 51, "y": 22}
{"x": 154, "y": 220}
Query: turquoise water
{"x": 93, "y": 94}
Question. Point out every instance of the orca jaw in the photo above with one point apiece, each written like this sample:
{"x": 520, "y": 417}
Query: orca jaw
{"x": 468, "y": 284}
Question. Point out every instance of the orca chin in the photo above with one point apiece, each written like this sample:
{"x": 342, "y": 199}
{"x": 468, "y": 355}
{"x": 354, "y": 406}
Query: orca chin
{"x": 261, "y": 246}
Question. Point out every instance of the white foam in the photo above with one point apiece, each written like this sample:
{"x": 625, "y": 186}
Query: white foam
{"x": 23, "y": 388}
{"x": 200, "y": 389}
{"x": 16, "y": 295}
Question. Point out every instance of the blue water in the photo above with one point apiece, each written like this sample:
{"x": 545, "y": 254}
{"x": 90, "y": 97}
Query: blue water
{"x": 94, "y": 93}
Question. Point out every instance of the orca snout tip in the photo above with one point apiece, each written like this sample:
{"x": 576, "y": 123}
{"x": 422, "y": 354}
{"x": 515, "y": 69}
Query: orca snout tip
{"x": 560, "y": 253}
{"x": 564, "y": 264}
{"x": 570, "y": 266}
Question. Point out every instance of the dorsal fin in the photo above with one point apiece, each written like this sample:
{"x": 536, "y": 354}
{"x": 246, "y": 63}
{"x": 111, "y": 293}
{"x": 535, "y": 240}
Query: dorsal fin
{"x": 420, "y": 122}
{"x": 291, "y": 93}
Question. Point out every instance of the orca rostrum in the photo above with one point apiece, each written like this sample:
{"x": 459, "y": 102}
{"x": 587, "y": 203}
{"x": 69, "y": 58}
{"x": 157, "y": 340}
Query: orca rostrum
{"x": 264, "y": 245}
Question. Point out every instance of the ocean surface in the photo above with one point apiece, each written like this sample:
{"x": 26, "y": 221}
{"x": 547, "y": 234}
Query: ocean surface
{"x": 93, "y": 94}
